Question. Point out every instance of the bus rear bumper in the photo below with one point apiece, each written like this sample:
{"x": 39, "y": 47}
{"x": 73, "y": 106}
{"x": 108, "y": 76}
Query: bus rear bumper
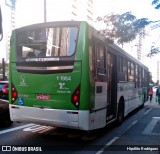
{"x": 51, "y": 117}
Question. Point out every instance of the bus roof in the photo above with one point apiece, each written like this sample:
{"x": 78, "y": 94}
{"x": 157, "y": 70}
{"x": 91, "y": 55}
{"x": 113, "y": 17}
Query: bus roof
{"x": 48, "y": 24}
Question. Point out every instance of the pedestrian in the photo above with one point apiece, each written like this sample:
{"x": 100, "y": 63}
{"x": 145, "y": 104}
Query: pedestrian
{"x": 158, "y": 94}
{"x": 150, "y": 94}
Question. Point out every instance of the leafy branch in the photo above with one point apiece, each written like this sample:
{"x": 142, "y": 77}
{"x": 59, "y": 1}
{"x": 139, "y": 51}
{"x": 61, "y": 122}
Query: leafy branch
{"x": 153, "y": 51}
{"x": 156, "y": 3}
{"x": 122, "y": 28}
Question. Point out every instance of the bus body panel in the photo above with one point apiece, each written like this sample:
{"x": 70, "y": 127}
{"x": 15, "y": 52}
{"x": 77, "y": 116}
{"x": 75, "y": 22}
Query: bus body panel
{"x": 100, "y": 95}
{"x": 57, "y": 87}
{"x": 70, "y": 91}
{"x": 53, "y": 117}
{"x": 132, "y": 96}
{"x": 59, "y": 118}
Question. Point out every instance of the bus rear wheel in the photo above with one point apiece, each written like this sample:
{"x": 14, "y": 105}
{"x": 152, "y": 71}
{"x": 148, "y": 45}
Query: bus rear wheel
{"x": 120, "y": 115}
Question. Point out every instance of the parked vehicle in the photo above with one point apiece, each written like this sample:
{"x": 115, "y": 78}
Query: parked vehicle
{"x": 4, "y": 90}
{"x": 5, "y": 120}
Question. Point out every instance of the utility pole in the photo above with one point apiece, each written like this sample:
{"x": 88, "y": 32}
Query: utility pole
{"x": 3, "y": 69}
{"x": 139, "y": 46}
{"x": 45, "y": 11}
{"x": 12, "y": 5}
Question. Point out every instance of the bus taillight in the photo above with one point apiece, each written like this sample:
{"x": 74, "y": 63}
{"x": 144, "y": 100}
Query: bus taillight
{"x": 14, "y": 93}
{"x": 76, "y": 97}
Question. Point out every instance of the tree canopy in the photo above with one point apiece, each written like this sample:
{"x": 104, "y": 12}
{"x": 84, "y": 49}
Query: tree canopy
{"x": 156, "y": 3}
{"x": 122, "y": 28}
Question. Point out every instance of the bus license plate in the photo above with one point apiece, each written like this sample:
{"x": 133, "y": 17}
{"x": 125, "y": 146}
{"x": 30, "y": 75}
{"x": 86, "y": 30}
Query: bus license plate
{"x": 42, "y": 97}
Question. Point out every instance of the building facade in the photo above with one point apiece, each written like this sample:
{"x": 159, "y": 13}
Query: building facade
{"x": 25, "y": 12}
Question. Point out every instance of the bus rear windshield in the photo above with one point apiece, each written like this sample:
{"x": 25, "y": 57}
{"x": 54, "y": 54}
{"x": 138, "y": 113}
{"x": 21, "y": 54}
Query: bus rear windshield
{"x": 46, "y": 42}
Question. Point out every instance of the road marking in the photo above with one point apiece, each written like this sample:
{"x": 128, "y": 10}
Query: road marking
{"x": 148, "y": 111}
{"x": 32, "y": 128}
{"x": 115, "y": 138}
{"x": 39, "y": 129}
{"x": 47, "y": 130}
{"x": 107, "y": 144}
{"x": 158, "y": 118}
{"x": 16, "y": 128}
{"x": 133, "y": 123}
{"x": 148, "y": 130}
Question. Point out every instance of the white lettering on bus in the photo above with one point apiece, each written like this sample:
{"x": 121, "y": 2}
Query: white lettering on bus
{"x": 64, "y": 78}
{"x": 42, "y": 97}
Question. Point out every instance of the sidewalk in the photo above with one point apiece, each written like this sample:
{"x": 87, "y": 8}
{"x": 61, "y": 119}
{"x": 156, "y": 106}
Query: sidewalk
{"x": 152, "y": 104}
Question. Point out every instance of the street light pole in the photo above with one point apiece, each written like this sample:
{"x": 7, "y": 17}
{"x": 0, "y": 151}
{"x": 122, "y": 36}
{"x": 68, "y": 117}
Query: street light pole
{"x": 45, "y": 11}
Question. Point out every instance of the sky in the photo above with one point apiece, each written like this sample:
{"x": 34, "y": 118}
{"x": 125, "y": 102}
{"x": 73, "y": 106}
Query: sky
{"x": 141, "y": 9}
{"x": 31, "y": 11}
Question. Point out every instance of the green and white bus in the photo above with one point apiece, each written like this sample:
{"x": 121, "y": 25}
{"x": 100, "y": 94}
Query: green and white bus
{"x": 65, "y": 74}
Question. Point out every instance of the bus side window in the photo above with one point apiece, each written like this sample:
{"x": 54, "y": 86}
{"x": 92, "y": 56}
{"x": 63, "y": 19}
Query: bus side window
{"x": 125, "y": 69}
{"x": 136, "y": 76}
{"x": 101, "y": 62}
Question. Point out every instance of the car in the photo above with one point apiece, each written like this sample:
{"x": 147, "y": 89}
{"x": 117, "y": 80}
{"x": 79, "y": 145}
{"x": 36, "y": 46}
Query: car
{"x": 5, "y": 120}
{"x": 4, "y": 90}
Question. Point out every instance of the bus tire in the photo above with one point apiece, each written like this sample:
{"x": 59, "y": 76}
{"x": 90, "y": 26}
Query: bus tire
{"x": 6, "y": 120}
{"x": 144, "y": 100}
{"x": 120, "y": 114}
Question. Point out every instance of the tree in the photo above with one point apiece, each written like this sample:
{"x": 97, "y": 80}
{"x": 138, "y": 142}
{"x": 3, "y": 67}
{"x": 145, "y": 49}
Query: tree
{"x": 156, "y": 3}
{"x": 122, "y": 28}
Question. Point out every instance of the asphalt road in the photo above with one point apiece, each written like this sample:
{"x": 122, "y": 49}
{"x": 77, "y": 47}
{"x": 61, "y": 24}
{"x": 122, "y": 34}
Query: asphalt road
{"x": 143, "y": 136}
{"x": 139, "y": 133}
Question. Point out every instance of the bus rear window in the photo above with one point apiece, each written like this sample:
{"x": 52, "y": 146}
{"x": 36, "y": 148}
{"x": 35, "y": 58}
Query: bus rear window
{"x": 47, "y": 42}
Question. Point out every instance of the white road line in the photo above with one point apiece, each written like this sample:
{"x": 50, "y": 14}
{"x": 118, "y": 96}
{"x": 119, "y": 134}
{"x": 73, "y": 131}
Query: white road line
{"x": 115, "y": 138}
{"x": 16, "y": 128}
{"x": 32, "y": 128}
{"x": 39, "y": 129}
{"x": 133, "y": 123}
{"x": 156, "y": 118}
{"x": 46, "y": 130}
{"x": 148, "y": 111}
{"x": 107, "y": 144}
{"x": 151, "y": 126}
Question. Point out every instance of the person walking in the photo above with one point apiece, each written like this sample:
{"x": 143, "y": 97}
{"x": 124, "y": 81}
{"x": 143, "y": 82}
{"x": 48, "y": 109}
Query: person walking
{"x": 150, "y": 94}
{"x": 158, "y": 94}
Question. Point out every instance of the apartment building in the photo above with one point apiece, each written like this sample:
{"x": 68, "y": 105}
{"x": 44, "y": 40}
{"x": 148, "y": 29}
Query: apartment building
{"x": 70, "y": 10}
{"x": 27, "y": 12}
